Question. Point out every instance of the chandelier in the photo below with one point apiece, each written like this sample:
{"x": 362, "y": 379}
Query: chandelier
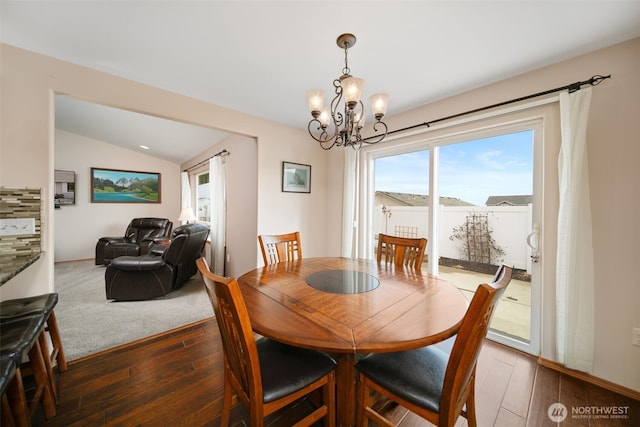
{"x": 332, "y": 127}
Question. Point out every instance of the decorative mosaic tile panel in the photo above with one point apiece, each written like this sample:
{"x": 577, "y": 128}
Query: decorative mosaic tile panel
{"x": 16, "y": 203}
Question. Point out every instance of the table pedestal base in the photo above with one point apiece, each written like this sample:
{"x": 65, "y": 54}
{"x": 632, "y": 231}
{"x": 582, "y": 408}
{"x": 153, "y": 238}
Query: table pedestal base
{"x": 346, "y": 397}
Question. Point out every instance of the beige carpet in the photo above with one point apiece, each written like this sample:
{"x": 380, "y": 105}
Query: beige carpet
{"x": 89, "y": 323}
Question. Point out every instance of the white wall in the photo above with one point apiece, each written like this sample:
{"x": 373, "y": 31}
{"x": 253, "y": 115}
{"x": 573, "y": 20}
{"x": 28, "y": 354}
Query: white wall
{"x": 294, "y": 211}
{"x": 78, "y": 227}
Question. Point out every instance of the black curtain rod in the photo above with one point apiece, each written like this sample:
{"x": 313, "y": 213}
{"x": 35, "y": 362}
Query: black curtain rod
{"x": 221, "y": 153}
{"x": 573, "y": 87}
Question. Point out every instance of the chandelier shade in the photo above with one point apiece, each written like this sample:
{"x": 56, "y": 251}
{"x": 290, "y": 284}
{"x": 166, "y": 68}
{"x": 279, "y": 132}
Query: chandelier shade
{"x": 379, "y": 103}
{"x": 352, "y": 87}
{"x": 316, "y": 101}
{"x": 325, "y": 117}
{"x": 341, "y": 123}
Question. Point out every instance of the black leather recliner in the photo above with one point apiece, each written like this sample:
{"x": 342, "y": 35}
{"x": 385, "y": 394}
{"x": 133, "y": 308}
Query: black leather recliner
{"x": 139, "y": 237}
{"x": 134, "y": 278}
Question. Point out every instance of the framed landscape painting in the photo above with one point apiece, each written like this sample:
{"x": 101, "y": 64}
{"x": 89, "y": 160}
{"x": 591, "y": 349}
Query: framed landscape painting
{"x": 123, "y": 186}
{"x": 296, "y": 178}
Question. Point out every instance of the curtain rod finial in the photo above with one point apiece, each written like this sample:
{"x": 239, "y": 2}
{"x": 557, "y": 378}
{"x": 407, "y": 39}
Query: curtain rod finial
{"x": 597, "y": 79}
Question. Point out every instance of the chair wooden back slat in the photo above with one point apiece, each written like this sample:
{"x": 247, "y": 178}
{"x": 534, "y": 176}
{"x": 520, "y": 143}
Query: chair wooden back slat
{"x": 405, "y": 251}
{"x": 280, "y": 248}
{"x": 461, "y": 368}
{"x": 240, "y": 351}
{"x": 242, "y": 369}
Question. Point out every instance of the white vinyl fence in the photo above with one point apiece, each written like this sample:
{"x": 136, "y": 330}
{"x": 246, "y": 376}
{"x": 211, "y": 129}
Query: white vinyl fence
{"x": 509, "y": 225}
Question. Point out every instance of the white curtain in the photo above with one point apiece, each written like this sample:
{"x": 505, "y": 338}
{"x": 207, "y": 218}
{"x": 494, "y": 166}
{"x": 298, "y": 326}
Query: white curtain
{"x": 218, "y": 209}
{"x": 186, "y": 190}
{"x": 575, "y": 275}
{"x": 349, "y": 196}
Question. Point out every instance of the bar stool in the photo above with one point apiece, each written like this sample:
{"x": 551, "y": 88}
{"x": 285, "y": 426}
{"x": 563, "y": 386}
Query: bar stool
{"x": 39, "y": 305}
{"x": 21, "y": 338}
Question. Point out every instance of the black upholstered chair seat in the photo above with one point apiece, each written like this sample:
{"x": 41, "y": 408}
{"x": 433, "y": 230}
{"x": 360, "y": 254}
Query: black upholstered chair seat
{"x": 38, "y": 305}
{"x": 41, "y": 304}
{"x": 19, "y": 335}
{"x": 265, "y": 375}
{"x": 286, "y": 369}
{"x": 117, "y": 249}
{"x": 138, "y": 263}
{"x": 415, "y": 375}
{"x": 436, "y": 382}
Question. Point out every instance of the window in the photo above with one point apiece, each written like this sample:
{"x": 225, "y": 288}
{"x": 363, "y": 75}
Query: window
{"x": 203, "y": 198}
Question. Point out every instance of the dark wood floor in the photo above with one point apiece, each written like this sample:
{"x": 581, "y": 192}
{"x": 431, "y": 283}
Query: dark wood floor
{"x": 175, "y": 379}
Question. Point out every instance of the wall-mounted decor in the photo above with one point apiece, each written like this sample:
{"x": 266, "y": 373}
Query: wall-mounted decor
{"x": 20, "y": 212}
{"x": 296, "y": 178}
{"x": 122, "y": 186}
{"x": 65, "y": 188}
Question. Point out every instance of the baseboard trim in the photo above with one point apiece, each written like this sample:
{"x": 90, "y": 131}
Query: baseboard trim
{"x": 74, "y": 260}
{"x": 616, "y": 388}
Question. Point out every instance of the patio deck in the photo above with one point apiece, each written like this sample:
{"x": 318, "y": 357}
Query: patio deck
{"x": 513, "y": 313}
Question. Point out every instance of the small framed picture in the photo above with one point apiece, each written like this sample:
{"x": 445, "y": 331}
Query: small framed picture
{"x": 296, "y": 178}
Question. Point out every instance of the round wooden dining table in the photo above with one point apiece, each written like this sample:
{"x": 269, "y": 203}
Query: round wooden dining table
{"x": 349, "y": 306}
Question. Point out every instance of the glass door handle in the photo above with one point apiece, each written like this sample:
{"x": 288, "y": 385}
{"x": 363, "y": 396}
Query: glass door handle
{"x": 533, "y": 243}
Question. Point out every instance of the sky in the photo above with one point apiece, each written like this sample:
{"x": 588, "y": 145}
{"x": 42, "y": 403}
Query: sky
{"x": 471, "y": 171}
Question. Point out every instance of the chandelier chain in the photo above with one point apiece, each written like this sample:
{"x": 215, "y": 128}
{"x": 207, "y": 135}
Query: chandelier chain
{"x": 346, "y": 71}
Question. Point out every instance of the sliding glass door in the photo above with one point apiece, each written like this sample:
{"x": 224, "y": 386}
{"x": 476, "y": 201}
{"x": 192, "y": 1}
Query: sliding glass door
{"x": 473, "y": 197}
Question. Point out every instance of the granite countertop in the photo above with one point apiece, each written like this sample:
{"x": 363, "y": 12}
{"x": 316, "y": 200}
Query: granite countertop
{"x": 11, "y": 265}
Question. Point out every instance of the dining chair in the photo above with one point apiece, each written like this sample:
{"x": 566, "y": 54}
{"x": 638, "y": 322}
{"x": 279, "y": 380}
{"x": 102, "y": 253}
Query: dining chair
{"x": 429, "y": 381}
{"x": 280, "y": 247}
{"x": 266, "y": 375}
{"x": 405, "y": 251}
